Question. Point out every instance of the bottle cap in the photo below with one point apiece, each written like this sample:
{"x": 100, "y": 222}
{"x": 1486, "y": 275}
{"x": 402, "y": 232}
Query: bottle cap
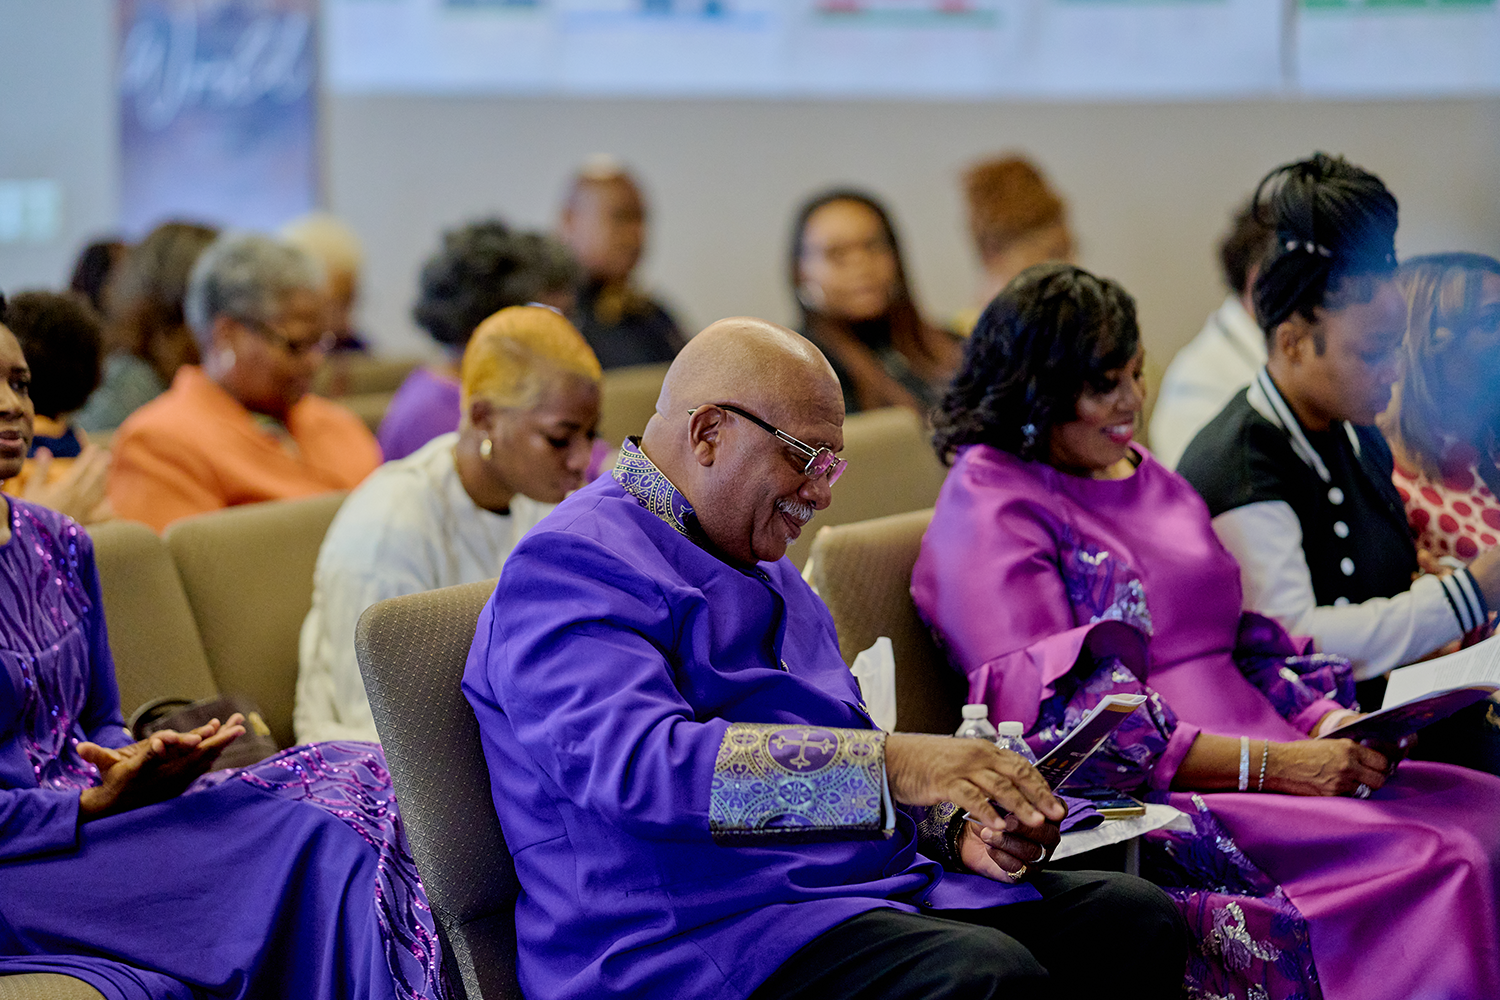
{"x": 976, "y": 711}
{"x": 1010, "y": 729}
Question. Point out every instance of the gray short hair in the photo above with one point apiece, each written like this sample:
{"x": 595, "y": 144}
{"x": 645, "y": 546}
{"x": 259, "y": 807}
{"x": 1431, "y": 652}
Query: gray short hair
{"x": 246, "y": 276}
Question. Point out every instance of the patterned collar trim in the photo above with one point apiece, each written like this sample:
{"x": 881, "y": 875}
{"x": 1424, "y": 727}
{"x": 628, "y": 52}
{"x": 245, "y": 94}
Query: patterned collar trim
{"x": 652, "y": 490}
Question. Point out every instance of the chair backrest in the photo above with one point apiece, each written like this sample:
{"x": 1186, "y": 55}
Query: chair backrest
{"x": 412, "y": 652}
{"x": 46, "y": 986}
{"x": 351, "y": 374}
{"x": 248, "y": 574}
{"x": 628, "y": 398}
{"x": 369, "y": 407}
{"x": 863, "y": 573}
{"x": 892, "y": 469}
{"x": 157, "y": 650}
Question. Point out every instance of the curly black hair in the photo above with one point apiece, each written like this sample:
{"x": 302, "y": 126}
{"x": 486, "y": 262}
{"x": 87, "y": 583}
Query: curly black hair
{"x": 482, "y": 268}
{"x": 62, "y": 338}
{"x": 1053, "y": 331}
{"x": 1334, "y": 222}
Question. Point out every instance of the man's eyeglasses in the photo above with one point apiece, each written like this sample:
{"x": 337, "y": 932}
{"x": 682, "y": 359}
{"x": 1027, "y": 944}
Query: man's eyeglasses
{"x": 322, "y": 344}
{"x": 820, "y": 461}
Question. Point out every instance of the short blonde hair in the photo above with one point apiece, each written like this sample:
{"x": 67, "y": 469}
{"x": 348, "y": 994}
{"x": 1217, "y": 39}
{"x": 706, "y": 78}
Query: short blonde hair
{"x": 514, "y": 353}
{"x": 327, "y": 239}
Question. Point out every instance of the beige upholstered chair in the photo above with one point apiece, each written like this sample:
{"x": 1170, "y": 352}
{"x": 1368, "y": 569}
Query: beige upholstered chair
{"x": 863, "y": 573}
{"x": 46, "y": 986}
{"x": 412, "y": 652}
{"x": 355, "y": 374}
{"x": 892, "y": 469}
{"x": 369, "y": 407}
{"x": 247, "y": 572}
{"x": 155, "y": 642}
{"x": 628, "y": 399}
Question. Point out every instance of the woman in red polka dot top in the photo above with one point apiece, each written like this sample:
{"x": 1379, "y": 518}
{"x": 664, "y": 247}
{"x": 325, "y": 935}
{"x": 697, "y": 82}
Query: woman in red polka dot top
{"x": 1443, "y": 420}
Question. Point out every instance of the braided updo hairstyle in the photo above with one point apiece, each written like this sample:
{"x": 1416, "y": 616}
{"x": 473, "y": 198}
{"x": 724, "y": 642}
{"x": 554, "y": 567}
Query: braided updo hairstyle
{"x": 1054, "y": 331}
{"x": 1335, "y": 228}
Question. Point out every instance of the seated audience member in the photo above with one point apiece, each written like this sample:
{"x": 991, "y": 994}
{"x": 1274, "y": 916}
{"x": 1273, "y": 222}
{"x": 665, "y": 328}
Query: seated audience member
{"x": 61, "y": 338}
{"x": 122, "y": 867}
{"x": 242, "y": 428}
{"x": 94, "y": 269}
{"x": 1065, "y": 564}
{"x": 147, "y": 338}
{"x": 857, "y": 307}
{"x": 326, "y": 239}
{"x": 1297, "y": 478}
{"x": 1016, "y": 220}
{"x": 604, "y": 224}
{"x": 1225, "y": 355}
{"x": 482, "y": 268}
{"x": 1443, "y": 421}
{"x": 452, "y": 511}
{"x": 697, "y": 801}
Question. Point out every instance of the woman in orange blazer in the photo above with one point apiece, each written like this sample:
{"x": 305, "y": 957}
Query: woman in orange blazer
{"x": 242, "y": 428}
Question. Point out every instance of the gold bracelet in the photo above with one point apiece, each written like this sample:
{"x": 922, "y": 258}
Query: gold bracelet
{"x": 1265, "y": 755}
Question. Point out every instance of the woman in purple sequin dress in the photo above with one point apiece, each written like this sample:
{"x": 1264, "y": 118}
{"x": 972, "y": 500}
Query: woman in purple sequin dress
{"x": 287, "y": 879}
{"x": 1064, "y": 563}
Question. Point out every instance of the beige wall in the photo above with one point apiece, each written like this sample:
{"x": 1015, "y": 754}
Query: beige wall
{"x": 1151, "y": 185}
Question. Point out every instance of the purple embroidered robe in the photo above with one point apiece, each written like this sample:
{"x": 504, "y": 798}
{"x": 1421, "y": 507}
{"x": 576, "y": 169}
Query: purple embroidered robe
{"x": 1049, "y": 591}
{"x": 685, "y": 774}
{"x": 288, "y": 879}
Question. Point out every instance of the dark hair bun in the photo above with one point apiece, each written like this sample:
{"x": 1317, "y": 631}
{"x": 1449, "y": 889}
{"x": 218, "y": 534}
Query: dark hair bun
{"x": 1332, "y": 220}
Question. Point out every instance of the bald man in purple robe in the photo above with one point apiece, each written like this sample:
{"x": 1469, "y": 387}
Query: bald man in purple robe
{"x": 696, "y": 799}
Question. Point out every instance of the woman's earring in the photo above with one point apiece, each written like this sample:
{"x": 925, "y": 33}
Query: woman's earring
{"x": 1028, "y": 435}
{"x": 486, "y": 449}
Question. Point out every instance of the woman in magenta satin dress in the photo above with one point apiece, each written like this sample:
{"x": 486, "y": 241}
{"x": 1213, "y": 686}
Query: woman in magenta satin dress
{"x": 1064, "y": 563}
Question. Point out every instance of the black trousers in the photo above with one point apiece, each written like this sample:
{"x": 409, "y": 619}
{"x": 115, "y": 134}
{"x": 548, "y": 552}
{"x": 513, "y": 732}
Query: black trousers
{"x": 1092, "y": 934}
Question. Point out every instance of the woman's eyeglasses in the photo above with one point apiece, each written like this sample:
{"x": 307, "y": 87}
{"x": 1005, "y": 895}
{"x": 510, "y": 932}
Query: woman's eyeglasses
{"x": 322, "y": 343}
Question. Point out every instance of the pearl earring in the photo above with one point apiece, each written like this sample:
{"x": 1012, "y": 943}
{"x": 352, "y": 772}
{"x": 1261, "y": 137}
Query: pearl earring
{"x": 486, "y": 449}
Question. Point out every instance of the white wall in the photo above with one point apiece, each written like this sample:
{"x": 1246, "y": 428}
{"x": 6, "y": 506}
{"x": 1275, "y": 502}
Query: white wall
{"x": 1151, "y": 185}
{"x": 57, "y": 121}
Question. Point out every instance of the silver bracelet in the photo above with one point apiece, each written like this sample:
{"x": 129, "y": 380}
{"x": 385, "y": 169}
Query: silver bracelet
{"x": 1265, "y": 755}
{"x": 1244, "y": 763}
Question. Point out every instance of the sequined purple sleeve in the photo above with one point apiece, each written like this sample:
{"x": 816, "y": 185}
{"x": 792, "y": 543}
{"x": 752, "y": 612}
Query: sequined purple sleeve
{"x": 1302, "y": 688}
{"x": 777, "y": 782}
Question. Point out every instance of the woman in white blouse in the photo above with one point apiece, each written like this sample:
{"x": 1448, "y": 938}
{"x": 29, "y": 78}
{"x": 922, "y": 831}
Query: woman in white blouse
{"x": 451, "y": 512}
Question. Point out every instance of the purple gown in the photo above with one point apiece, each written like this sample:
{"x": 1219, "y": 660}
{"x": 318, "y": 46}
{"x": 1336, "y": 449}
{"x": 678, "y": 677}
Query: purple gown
{"x": 286, "y": 879}
{"x": 1026, "y": 568}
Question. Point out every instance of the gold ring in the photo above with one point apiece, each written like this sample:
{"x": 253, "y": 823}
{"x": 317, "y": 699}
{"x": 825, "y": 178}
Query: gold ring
{"x": 1018, "y": 876}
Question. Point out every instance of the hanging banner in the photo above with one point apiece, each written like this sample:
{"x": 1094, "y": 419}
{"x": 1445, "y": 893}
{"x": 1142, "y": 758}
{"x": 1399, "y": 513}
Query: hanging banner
{"x": 1398, "y": 47}
{"x": 795, "y": 48}
{"x": 218, "y": 112}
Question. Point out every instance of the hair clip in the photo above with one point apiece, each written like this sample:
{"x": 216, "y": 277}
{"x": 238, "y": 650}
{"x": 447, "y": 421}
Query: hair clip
{"x": 1309, "y": 247}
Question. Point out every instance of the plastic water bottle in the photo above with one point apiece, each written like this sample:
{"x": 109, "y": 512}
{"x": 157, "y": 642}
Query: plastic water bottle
{"x": 976, "y": 724}
{"x": 1010, "y": 736}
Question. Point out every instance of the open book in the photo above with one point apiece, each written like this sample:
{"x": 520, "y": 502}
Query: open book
{"x": 1425, "y": 692}
{"x": 1086, "y": 737}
